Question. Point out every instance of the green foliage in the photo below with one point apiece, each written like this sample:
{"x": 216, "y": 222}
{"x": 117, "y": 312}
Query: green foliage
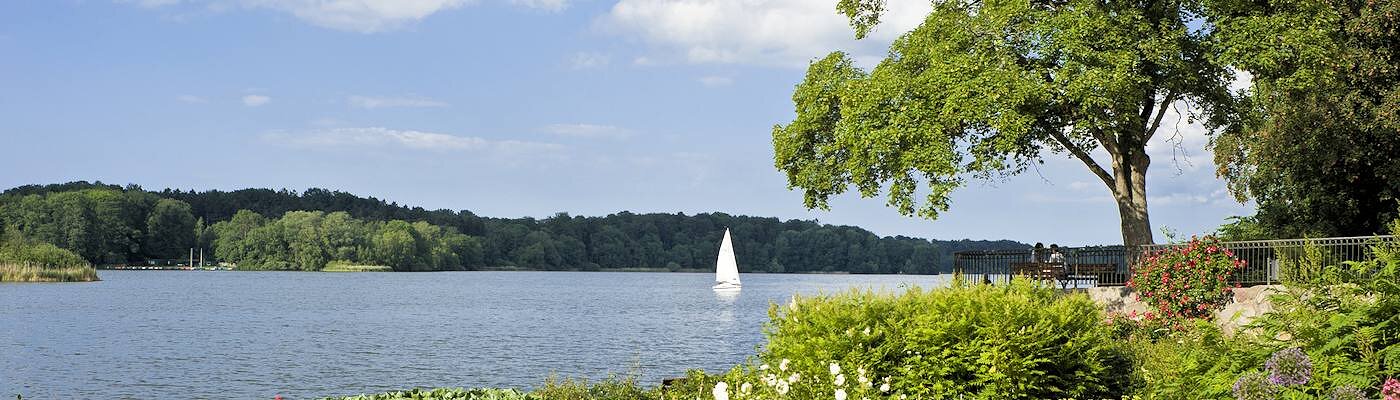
{"x": 1014, "y": 341}
{"x": 346, "y": 266}
{"x": 23, "y": 260}
{"x": 170, "y": 230}
{"x": 307, "y": 240}
{"x": 442, "y": 394}
{"x": 986, "y": 89}
{"x": 1347, "y": 320}
{"x": 1193, "y": 360}
{"x": 1315, "y": 140}
{"x": 1241, "y": 229}
{"x": 101, "y": 225}
{"x": 612, "y": 388}
{"x": 1190, "y": 280}
{"x": 622, "y": 241}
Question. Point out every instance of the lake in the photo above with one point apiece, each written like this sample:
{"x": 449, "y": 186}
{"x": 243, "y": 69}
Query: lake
{"x": 206, "y": 334}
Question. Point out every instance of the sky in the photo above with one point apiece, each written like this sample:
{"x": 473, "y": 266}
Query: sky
{"x": 507, "y": 108}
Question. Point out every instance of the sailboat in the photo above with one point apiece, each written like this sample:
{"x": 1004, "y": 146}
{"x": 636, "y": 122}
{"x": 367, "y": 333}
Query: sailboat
{"x": 726, "y": 270}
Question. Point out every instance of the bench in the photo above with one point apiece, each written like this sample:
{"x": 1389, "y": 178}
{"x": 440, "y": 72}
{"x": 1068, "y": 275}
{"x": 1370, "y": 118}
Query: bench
{"x": 1095, "y": 272}
{"x": 1038, "y": 270}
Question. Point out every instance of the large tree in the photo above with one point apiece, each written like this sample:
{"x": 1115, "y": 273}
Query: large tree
{"x": 1317, "y": 141}
{"x": 987, "y": 88}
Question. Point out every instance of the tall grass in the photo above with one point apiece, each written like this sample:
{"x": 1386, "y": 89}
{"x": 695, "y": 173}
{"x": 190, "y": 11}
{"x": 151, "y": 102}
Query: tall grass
{"x": 17, "y": 272}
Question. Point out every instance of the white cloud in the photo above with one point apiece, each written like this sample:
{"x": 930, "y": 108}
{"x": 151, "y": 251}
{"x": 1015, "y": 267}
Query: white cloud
{"x": 1080, "y": 185}
{"x": 547, "y": 5}
{"x": 365, "y": 16}
{"x": 378, "y": 137}
{"x": 769, "y": 32}
{"x": 587, "y": 60}
{"x": 189, "y": 98}
{"x": 254, "y": 100}
{"x": 588, "y": 131}
{"x": 371, "y": 102}
{"x": 715, "y": 81}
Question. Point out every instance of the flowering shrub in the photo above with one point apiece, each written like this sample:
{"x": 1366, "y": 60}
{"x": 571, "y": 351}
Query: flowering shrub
{"x": 783, "y": 381}
{"x": 1187, "y": 281}
{"x": 1391, "y": 389}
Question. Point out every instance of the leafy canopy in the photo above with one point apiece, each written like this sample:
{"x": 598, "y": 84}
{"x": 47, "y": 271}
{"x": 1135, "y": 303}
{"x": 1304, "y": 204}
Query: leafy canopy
{"x": 982, "y": 89}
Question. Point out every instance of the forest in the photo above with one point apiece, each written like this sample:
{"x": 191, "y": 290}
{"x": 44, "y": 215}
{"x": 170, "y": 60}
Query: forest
{"x": 290, "y": 230}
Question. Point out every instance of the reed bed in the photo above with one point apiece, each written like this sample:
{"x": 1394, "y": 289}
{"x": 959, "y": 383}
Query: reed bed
{"x": 27, "y": 272}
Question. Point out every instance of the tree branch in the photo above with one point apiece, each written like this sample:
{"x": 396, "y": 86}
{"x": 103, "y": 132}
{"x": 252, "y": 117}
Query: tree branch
{"x": 1084, "y": 157}
{"x": 1157, "y": 121}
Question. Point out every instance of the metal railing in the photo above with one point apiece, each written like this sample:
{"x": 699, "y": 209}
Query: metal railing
{"x": 1267, "y": 261}
{"x": 1272, "y": 261}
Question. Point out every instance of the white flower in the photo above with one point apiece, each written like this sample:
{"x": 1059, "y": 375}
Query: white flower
{"x": 721, "y": 391}
{"x": 782, "y": 366}
{"x": 840, "y": 394}
{"x": 867, "y": 331}
{"x": 835, "y": 369}
{"x": 840, "y": 379}
{"x": 746, "y": 388}
{"x": 763, "y": 367}
{"x": 794, "y": 378}
{"x": 783, "y": 387}
{"x": 885, "y": 387}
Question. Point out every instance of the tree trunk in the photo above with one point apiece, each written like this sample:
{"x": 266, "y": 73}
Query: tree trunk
{"x": 1130, "y": 192}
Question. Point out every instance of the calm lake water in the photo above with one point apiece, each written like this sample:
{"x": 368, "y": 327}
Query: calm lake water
{"x": 247, "y": 335}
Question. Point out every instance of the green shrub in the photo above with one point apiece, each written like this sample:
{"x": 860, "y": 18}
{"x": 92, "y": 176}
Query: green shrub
{"x": 1346, "y": 318}
{"x": 441, "y": 394}
{"x": 23, "y": 260}
{"x": 1189, "y": 360}
{"x": 19, "y": 251}
{"x": 612, "y": 388}
{"x": 1186, "y": 281}
{"x": 1015, "y": 341}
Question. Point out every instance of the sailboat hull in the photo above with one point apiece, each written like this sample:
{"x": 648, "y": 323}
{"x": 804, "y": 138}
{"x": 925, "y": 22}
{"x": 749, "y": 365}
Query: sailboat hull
{"x": 722, "y": 286}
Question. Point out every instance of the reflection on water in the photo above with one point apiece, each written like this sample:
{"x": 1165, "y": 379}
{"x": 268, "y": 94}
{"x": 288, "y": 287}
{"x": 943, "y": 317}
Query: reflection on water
{"x": 192, "y": 334}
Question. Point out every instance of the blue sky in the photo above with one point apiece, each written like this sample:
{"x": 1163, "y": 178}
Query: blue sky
{"x": 507, "y": 108}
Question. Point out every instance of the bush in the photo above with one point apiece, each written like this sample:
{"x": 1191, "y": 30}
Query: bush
{"x": 23, "y": 260}
{"x": 612, "y": 388}
{"x": 1187, "y": 281}
{"x": 1345, "y": 318}
{"x": 1015, "y": 341}
{"x": 1188, "y": 360}
{"x": 441, "y": 394}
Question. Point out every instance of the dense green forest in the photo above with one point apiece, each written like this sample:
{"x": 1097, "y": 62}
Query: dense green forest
{"x": 284, "y": 229}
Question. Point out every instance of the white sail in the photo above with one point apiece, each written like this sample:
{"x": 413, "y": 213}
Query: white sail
{"x": 726, "y": 269}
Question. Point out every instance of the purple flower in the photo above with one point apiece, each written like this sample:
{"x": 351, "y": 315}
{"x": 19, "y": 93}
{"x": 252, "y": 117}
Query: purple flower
{"x": 1348, "y": 393}
{"x": 1254, "y": 386}
{"x": 1289, "y": 367}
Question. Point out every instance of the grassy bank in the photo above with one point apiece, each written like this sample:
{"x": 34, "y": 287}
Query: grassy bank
{"x": 23, "y": 260}
{"x": 31, "y": 273}
{"x": 357, "y": 268}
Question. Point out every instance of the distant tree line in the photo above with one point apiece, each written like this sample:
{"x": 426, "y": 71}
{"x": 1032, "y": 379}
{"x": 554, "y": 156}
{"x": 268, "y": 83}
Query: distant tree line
{"x": 308, "y": 240}
{"x": 284, "y": 229}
